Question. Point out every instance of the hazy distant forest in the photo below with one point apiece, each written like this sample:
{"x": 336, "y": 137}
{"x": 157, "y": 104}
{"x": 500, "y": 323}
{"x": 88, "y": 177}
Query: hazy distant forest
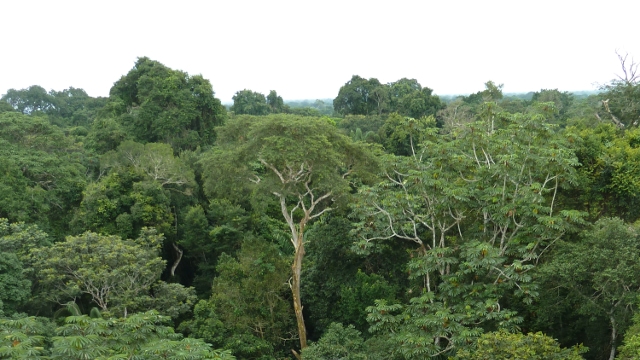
{"x": 387, "y": 223}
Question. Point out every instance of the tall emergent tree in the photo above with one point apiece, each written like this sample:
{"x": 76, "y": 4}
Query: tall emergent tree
{"x": 304, "y": 163}
{"x": 357, "y": 97}
{"x": 158, "y": 104}
{"x": 407, "y": 97}
{"x": 247, "y": 102}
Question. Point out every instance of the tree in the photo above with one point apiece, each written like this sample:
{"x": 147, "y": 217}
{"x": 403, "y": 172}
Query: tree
{"x": 409, "y": 98}
{"x": 380, "y": 96}
{"x": 356, "y": 97}
{"x": 106, "y": 134}
{"x": 276, "y": 103}
{"x": 401, "y": 135}
{"x": 15, "y": 288}
{"x": 456, "y": 114}
{"x": 16, "y": 275}
{"x": 141, "y": 187}
{"x": 621, "y": 97}
{"x": 158, "y": 104}
{"x": 74, "y": 107}
{"x": 503, "y": 345}
{"x": 609, "y": 178}
{"x": 31, "y": 100}
{"x": 480, "y": 213}
{"x": 138, "y": 336}
{"x": 117, "y": 275}
{"x": 602, "y": 271}
{"x": 43, "y": 171}
{"x": 23, "y": 338}
{"x": 206, "y": 233}
{"x": 305, "y": 163}
{"x": 562, "y": 101}
{"x": 339, "y": 284}
{"x": 252, "y": 103}
{"x": 491, "y": 93}
{"x": 250, "y": 323}
{"x": 339, "y": 342}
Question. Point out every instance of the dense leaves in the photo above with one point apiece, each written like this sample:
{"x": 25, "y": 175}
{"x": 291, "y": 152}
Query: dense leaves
{"x": 442, "y": 227}
{"x": 116, "y": 274}
{"x": 502, "y": 345}
{"x": 158, "y": 104}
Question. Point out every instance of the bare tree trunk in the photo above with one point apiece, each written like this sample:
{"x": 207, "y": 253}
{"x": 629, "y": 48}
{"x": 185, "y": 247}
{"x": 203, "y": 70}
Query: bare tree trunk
{"x": 179, "y": 253}
{"x": 295, "y": 290}
{"x": 614, "y": 335}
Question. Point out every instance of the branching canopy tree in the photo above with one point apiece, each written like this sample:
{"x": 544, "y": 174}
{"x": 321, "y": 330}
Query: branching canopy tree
{"x": 118, "y": 275}
{"x": 305, "y": 163}
{"x": 480, "y": 206}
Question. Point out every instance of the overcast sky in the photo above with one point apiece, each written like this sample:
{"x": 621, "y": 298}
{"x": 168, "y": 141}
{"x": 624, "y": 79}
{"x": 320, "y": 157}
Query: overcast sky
{"x": 308, "y": 49}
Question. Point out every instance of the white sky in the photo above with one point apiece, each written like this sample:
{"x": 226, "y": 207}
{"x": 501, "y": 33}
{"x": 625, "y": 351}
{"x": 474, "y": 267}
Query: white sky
{"x": 308, "y": 49}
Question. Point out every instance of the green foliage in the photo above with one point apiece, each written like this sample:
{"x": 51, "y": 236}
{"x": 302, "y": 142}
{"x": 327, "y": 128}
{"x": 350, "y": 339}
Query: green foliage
{"x": 320, "y": 107}
{"x": 360, "y": 294}
{"x": 351, "y": 123}
{"x": 154, "y": 161}
{"x": 275, "y": 102}
{"x": 621, "y": 97}
{"x": 491, "y": 93}
{"x": 74, "y": 107}
{"x": 356, "y": 97}
{"x": 206, "y": 235}
{"x": 43, "y": 172}
{"x": 138, "y": 336}
{"x": 139, "y": 190}
{"x": 106, "y": 134}
{"x": 503, "y": 345}
{"x": 401, "y": 135}
{"x": 5, "y": 107}
{"x": 283, "y": 154}
{"x": 561, "y": 100}
{"x": 337, "y": 343}
{"x": 23, "y": 338}
{"x": 610, "y": 170}
{"x": 158, "y": 104}
{"x": 249, "y": 102}
{"x": 601, "y": 272}
{"x": 631, "y": 348}
{"x": 409, "y": 98}
{"x": 369, "y": 97}
{"x": 250, "y": 323}
{"x": 480, "y": 212}
{"x": 116, "y": 274}
{"x": 15, "y": 288}
{"x": 122, "y": 203}
{"x": 16, "y": 240}
{"x": 339, "y": 284}
{"x": 31, "y": 100}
